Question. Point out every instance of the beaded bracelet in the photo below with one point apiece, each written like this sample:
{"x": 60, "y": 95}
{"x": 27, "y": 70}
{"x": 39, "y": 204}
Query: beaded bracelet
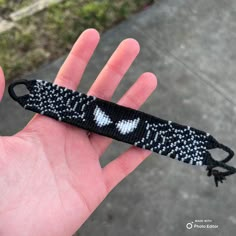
{"x": 134, "y": 127}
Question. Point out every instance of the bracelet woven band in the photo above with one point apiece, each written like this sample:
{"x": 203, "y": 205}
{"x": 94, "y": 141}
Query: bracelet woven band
{"x": 137, "y": 128}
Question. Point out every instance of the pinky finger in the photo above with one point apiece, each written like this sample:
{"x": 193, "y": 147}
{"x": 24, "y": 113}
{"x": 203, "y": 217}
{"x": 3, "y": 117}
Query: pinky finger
{"x": 121, "y": 167}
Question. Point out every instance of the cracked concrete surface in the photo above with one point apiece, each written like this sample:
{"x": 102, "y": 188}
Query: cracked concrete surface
{"x": 190, "y": 45}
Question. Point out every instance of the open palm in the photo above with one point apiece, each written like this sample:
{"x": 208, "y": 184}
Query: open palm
{"x": 50, "y": 175}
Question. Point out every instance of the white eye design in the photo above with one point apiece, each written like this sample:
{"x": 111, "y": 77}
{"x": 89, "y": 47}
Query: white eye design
{"x": 123, "y": 126}
{"x": 101, "y": 118}
{"x": 127, "y": 126}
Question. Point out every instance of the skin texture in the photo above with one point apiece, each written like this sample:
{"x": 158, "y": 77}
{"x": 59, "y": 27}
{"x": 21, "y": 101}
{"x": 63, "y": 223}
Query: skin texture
{"x": 50, "y": 175}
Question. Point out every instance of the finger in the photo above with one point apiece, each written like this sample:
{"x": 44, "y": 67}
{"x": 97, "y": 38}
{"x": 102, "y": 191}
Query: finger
{"x": 2, "y": 83}
{"x": 73, "y": 68}
{"x": 122, "y": 166}
{"x": 133, "y": 98}
{"x": 114, "y": 70}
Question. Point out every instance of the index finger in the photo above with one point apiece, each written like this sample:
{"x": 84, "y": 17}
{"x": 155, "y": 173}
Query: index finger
{"x": 70, "y": 73}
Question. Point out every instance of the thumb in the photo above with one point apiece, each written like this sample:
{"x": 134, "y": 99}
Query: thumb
{"x": 2, "y": 83}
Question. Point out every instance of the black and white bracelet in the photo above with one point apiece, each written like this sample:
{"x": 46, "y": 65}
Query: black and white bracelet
{"x": 137, "y": 128}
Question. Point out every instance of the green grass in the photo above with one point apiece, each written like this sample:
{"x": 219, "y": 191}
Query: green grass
{"x": 49, "y": 34}
{"x": 7, "y": 6}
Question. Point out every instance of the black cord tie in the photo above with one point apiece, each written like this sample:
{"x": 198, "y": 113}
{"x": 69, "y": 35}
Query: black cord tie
{"x": 180, "y": 142}
{"x": 211, "y": 163}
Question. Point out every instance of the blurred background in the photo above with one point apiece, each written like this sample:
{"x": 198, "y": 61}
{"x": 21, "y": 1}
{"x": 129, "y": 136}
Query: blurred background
{"x": 34, "y": 32}
{"x": 190, "y": 46}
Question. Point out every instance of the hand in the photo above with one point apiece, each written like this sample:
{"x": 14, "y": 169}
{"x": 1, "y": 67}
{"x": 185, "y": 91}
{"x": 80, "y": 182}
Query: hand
{"x": 50, "y": 175}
